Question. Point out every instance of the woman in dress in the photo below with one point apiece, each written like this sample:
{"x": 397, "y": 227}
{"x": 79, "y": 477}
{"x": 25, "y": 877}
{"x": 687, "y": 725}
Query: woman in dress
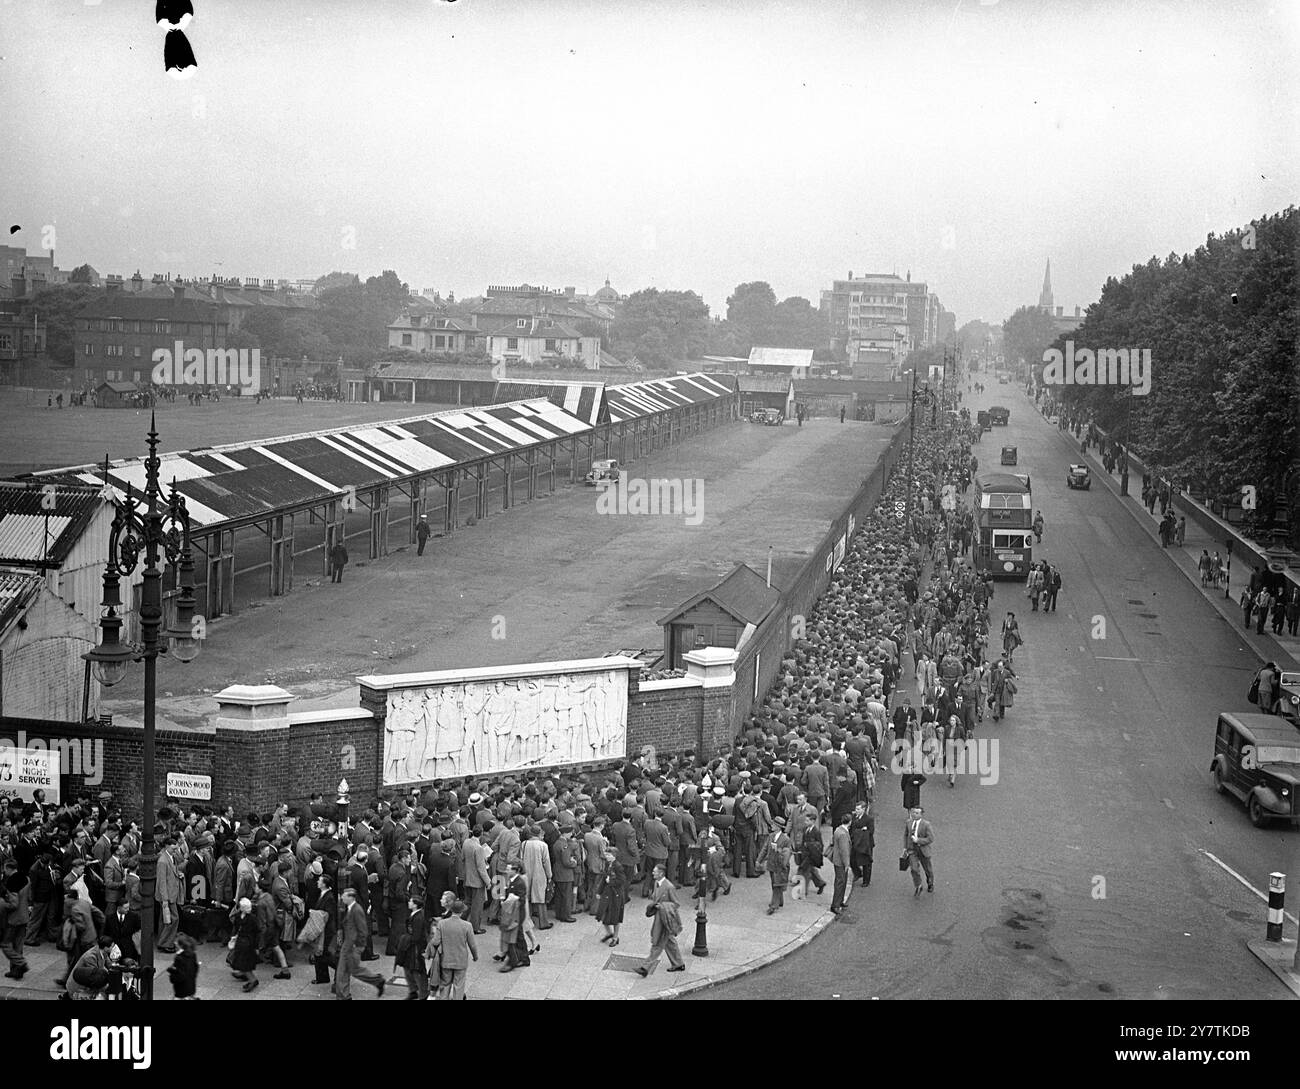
{"x": 514, "y": 909}
{"x": 613, "y": 894}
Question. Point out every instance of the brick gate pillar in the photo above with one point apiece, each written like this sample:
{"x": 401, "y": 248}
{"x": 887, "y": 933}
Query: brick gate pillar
{"x": 715, "y": 669}
{"x": 251, "y": 767}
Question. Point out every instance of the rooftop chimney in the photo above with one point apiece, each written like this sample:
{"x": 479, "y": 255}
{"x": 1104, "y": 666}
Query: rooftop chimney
{"x": 178, "y": 292}
{"x": 113, "y": 284}
{"x": 1076, "y": 312}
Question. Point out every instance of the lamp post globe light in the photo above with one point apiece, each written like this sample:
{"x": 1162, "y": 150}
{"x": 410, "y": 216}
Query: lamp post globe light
{"x": 149, "y": 526}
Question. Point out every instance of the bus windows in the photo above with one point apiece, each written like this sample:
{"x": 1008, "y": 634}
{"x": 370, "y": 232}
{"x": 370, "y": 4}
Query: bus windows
{"x": 1008, "y": 541}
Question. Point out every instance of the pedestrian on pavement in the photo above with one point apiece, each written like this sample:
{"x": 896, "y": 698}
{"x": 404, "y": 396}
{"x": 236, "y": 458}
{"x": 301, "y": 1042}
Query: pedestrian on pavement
{"x": 918, "y": 838}
{"x": 911, "y": 782}
{"x": 1263, "y": 601}
{"x": 15, "y": 895}
{"x": 338, "y": 561}
{"x": 841, "y": 861}
{"x": 1279, "y": 613}
{"x": 811, "y": 859}
{"x": 1011, "y": 637}
{"x": 1204, "y": 566}
{"x": 1293, "y": 611}
{"x": 422, "y": 532}
{"x": 184, "y": 970}
{"x": 1038, "y": 527}
{"x": 514, "y": 910}
{"x": 613, "y": 897}
{"x": 862, "y": 832}
{"x": 355, "y": 932}
{"x": 244, "y": 957}
{"x": 778, "y": 865}
{"x": 663, "y": 909}
{"x": 410, "y": 950}
{"x": 1180, "y": 531}
{"x": 457, "y": 950}
{"x": 1247, "y": 606}
{"x": 537, "y": 872}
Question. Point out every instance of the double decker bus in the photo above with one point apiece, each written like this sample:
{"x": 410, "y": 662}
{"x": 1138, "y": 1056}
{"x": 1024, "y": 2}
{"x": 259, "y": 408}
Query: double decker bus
{"x": 1004, "y": 514}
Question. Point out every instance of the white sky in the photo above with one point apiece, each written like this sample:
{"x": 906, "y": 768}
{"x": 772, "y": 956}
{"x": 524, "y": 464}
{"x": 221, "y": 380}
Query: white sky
{"x": 669, "y": 144}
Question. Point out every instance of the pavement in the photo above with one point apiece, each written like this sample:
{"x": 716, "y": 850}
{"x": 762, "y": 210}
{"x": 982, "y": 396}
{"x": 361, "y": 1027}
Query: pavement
{"x": 573, "y": 963}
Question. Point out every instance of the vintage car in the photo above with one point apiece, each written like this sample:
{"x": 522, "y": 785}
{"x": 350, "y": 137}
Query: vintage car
{"x": 999, "y": 416}
{"x": 602, "y": 469}
{"x": 772, "y": 417}
{"x": 1257, "y": 760}
{"x": 1288, "y": 697}
{"x": 1078, "y": 476}
{"x": 982, "y": 421}
{"x": 1008, "y": 455}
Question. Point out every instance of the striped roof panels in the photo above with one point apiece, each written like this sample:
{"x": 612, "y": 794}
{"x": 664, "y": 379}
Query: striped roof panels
{"x": 37, "y": 526}
{"x": 251, "y": 481}
{"x": 585, "y": 400}
{"x": 637, "y": 399}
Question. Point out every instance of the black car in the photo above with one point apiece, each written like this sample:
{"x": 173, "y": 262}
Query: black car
{"x": 999, "y": 416}
{"x": 1079, "y": 476}
{"x": 1257, "y": 760}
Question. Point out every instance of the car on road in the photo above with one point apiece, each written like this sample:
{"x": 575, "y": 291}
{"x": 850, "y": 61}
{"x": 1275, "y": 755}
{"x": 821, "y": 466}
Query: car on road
{"x": 1288, "y": 697}
{"x": 1008, "y": 455}
{"x": 1079, "y": 476}
{"x": 772, "y": 417}
{"x": 1257, "y": 761}
{"x": 999, "y": 416}
{"x": 602, "y": 469}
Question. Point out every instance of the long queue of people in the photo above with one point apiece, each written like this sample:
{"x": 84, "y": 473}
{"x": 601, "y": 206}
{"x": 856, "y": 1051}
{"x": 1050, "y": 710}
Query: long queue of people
{"x": 427, "y": 874}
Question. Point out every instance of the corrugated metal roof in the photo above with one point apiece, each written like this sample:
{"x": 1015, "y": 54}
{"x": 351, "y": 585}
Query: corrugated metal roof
{"x": 38, "y": 526}
{"x": 638, "y": 399}
{"x": 18, "y": 589}
{"x": 758, "y": 383}
{"x": 250, "y": 481}
{"x": 860, "y": 387}
{"x": 744, "y": 594}
{"x": 586, "y": 400}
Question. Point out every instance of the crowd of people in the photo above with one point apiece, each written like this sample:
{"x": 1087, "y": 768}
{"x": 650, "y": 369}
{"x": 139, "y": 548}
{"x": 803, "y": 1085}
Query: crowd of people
{"x": 426, "y": 875}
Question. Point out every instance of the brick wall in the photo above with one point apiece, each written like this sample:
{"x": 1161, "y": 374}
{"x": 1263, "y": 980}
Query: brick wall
{"x": 323, "y": 751}
{"x": 670, "y": 719}
{"x": 116, "y": 761}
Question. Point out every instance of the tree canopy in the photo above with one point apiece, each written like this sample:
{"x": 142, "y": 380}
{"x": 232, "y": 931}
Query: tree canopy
{"x": 1222, "y": 325}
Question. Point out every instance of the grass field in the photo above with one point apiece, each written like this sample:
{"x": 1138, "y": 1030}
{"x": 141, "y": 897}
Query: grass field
{"x": 35, "y": 437}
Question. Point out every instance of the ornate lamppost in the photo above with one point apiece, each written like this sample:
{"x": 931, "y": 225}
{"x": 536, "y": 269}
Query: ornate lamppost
{"x": 144, "y": 524}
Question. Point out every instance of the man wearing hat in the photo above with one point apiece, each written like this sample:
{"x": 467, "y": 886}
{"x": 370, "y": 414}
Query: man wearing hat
{"x": 422, "y": 532}
{"x": 778, "y": 864}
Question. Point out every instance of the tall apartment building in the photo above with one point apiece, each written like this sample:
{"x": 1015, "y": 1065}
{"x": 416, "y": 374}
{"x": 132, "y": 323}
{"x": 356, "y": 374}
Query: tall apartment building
{"x": 874, "y": 301}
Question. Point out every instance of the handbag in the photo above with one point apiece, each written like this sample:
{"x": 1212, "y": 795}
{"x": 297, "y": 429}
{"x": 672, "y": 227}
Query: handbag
{"x": 1253, "y": 695}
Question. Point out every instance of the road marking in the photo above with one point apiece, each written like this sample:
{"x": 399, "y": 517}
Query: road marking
{"x": 1167, "y": 802}
{"x": 1127, "y": 738}
{"x": 1262, "y": 896}
{"x": 1104, "y": 658}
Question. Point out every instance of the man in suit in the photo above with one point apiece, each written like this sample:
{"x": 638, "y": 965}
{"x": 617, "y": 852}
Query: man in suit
{"x": 862, "y": 835}
{"x": 594, "y": 845}
{"x": 656, "y": 852}
{"x": 356, "y": 876}
{"x": 83, "y": 933}
{"x": 15, "y": 892}
{"x": 355, "y": 938}
{"x": 414, "y": 967}
{"x": 841, "y": 858}
{"x": 441, "y": 875}
{"x": 458, "y": 949}
{"x": 564, "y": 872}
{"x": 477, "y": 879}
{"x": 169, "y": 893}
{"x": 626, "y": 851}
{"x": 122, "y": 925}
{"x": 667, "y": 925}
{"x": 918, "y": 837}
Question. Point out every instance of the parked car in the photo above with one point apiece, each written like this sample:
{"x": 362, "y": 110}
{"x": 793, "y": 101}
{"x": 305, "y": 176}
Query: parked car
{"x": 1288, "y": 697}
{"x": 772, "y": 417}
{"x": 1079, "y": 476}
{"x": 999, "y": 416}
{"x": 1257, "y": 760}
{"x": 602, "y": 469}
{"x": 1008, "y": 455}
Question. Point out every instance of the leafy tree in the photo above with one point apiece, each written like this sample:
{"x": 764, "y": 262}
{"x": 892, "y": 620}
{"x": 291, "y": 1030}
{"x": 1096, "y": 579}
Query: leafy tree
{"x": 56, "y": 308}
{"x": 751, "y": 308}
{"x": 1026, "y": 335}
{"x": 661, "y": 327}
{"x": 82, "y": 274}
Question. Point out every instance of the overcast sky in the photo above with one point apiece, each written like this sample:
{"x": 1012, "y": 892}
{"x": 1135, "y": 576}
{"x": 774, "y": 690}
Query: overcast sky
{"x": 669, "y": 144}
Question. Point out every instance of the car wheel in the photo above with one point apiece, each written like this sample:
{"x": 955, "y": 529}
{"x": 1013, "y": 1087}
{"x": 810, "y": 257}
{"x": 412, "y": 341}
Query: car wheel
{"x": 1257, "y": 815}
{"x": 1217, "y": 774}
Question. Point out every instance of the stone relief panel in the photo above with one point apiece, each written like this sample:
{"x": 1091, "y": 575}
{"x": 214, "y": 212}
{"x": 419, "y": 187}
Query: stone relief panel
{"x": 493, "y": 726}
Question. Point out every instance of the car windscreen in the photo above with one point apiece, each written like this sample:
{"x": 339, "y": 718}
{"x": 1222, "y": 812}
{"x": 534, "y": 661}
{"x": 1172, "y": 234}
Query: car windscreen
{"x": 1277, "y": 754}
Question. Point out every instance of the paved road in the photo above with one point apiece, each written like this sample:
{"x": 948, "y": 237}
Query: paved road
{"x": 1082, "y": 873}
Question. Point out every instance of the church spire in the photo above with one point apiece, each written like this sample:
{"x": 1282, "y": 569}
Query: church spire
{"x": 1045, "y": 296}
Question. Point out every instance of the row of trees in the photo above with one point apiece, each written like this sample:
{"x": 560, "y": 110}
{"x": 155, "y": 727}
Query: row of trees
{"x": 1223, "y": 327}
{"x": 664, "y": 327}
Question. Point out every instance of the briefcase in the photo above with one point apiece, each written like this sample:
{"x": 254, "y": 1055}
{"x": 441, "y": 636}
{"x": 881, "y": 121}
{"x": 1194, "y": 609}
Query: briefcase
{"x": 903, "y": 862}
